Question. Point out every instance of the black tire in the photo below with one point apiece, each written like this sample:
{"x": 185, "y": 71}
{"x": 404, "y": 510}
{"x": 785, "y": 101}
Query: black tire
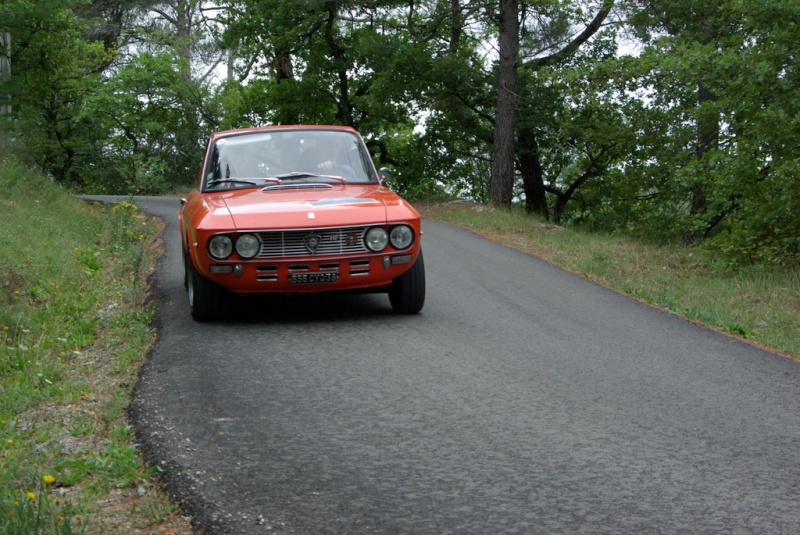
{"x": 186, "y": 262}
{"x": 407, "y": 292}
{"x": 206, "y": 299}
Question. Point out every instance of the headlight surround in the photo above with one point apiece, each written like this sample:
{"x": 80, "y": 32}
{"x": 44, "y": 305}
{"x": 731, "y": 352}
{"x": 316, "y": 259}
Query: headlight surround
{"x": 247, "y": 245}
{"x": 401, "y": 237}
{"x": 376, "y": 239}
{"x": 220, "y": 246}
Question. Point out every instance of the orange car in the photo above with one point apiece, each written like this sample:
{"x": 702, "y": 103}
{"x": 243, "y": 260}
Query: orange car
{"x": 291, "y": 209}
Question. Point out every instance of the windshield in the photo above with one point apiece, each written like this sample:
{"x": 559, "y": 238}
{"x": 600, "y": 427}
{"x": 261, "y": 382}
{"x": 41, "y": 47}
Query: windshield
{"x": 256, "y": 159}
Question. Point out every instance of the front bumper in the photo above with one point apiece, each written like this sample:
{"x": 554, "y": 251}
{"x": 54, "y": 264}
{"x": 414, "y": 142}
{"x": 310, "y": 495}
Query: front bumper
{"x": 309, "y": 275}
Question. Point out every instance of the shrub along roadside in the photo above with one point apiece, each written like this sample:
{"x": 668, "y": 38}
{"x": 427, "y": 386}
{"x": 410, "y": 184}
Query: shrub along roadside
{"x": 759, "y": 304}
{"x": 75, "y": 328}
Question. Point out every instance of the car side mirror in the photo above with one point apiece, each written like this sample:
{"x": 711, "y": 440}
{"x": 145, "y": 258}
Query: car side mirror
{"x": 385, "y": 175}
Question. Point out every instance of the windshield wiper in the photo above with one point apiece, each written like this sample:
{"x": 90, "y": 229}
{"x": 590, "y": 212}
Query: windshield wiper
{"x": 214, "y": 183}
{"x": 297, "y": 175}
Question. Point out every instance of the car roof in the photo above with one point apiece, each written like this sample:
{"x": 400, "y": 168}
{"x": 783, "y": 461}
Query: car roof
{"x": 239, "y": 131}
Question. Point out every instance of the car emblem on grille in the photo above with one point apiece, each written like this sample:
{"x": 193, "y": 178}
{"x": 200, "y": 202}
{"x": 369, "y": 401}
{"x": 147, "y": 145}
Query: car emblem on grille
{"x": 312, "y": 242}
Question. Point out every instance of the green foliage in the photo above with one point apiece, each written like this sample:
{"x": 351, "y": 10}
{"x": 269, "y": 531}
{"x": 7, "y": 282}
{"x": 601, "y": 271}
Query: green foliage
{"x": 55, "y": 71}
{"x": 33, "y": 512}
{"x": 694, "y": 138}
{"x": 138, "y": 128}
{"x": 571, "y": 125}
{"x": 415, "y": 178}
{"x": 72, "y": 285}
{"x": 152, "y": 110}
{"x": 712, "y": 101}
{"x": 318, "y": 62}
{"x": 371, "y": 65}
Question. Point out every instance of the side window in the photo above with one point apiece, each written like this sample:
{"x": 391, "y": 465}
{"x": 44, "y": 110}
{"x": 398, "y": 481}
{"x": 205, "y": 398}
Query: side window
{"x": 219, "y": 165}
{"x": 359, "y": 159}
{"x": 213, "y": 171}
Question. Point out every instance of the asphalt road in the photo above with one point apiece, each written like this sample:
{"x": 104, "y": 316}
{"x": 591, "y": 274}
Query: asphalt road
{"x": 522, "y": 399}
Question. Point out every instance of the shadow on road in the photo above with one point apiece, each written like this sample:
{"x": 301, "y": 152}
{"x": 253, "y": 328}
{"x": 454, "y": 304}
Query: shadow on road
{"x": 268, "y": 308}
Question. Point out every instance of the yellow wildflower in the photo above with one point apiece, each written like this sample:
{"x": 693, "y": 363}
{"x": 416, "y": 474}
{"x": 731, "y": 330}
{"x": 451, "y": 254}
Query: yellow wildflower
{"x": 49, "y": 479}
{"x": 30, "y": 495}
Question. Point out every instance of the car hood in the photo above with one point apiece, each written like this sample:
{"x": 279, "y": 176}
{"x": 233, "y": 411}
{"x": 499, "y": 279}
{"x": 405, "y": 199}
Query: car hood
{"x": 302, "y": 208}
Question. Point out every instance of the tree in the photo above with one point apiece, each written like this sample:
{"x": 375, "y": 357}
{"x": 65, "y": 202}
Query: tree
{"x": 721, "y": 81}
{"x": 502, "y": 188}
{"x": 336, "y": 62}
{"x": 82, "y": 94}
{"x": 5, "y": 68}
{"x": 505, "y": 126}
{"x": 453, "y": 90}
{"x": 56, "y": 69}
{"x": 107, "y": 22}
{"x": 577, "y": 129}
{"x": 173, "y": 36}
{"x": 702, "y": 25}
{"x": 154, "y": 143}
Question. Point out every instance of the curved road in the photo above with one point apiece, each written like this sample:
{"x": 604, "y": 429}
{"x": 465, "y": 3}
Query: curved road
{"x": 522, "y": 399}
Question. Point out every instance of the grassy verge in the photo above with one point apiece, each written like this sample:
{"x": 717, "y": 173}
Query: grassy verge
{"x": 759, "y": 304}
{"x": 75, "y": 328}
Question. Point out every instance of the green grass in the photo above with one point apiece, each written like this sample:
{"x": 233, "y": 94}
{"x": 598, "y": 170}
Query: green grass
{"x": 75, "y": 328}
{"x": 758, "y": 304}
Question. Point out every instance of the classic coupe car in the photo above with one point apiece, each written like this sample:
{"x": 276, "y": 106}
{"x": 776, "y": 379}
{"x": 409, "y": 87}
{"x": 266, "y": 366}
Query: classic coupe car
{"x": 296, "y": 209}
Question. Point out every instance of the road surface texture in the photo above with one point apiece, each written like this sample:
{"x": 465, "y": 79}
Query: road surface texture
{"x": 522, "y": 399}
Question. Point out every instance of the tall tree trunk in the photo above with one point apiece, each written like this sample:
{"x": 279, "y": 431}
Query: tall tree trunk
{"x": 282, "y": 69}
{"x": 344, "y": 107}
{"x": 530, "y": 163}
{"x": 501, "y": 189}
{"x": 456, "y": 26}
{"x": 707, "y": 140}
{"x": 532, "y": 174}
{"x": 5, "y": 70}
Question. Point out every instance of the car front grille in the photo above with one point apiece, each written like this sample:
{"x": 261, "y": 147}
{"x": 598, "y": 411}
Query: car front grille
{"x": 312, "y": 242}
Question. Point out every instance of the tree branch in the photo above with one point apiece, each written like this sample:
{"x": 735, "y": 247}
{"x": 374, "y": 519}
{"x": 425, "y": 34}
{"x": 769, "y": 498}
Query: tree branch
{"x": 576, "y": 43}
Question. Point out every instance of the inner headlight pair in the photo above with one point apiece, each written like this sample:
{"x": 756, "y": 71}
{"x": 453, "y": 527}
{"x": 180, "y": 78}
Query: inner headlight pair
{"x": 221, "y": 246}
{"x": 400, "y": 236}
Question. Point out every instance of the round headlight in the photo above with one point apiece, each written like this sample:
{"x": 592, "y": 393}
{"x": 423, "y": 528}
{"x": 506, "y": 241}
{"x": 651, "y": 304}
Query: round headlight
{"x": 247, "y": 245}
{"x": 401, "y": 237}
{"x": 220, "y": 246}
{"x": 376, "y": 239}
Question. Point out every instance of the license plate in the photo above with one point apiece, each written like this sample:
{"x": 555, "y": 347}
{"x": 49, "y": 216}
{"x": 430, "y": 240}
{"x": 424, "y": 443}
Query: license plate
{"x": 314, "y": 278}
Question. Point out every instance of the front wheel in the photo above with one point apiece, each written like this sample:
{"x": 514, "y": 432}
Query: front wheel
{"x": 206, "y": 299}
{"x": 407, "y": 292}
{"x": 186, "y": 261}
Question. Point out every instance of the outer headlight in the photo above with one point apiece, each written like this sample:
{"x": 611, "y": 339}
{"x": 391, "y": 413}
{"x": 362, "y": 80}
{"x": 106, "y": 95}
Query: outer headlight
{"x": 401, "y": 237}
{"x": 220, "y": 246}
{"x": 247, "y": 245}
{"x": 376, "y": 239}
